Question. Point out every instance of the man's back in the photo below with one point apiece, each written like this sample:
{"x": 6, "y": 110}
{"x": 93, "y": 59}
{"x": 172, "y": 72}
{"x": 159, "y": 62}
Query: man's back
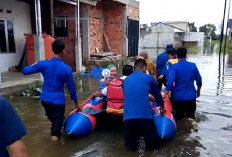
{"x": 56, "y": 73}
{"x": 136, "y": 89}
{"x": 161, "y": 63}
{"x": 185, "y": 73}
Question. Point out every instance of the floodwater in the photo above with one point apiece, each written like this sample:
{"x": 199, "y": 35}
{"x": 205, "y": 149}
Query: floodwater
{"x": 210, "y": 136}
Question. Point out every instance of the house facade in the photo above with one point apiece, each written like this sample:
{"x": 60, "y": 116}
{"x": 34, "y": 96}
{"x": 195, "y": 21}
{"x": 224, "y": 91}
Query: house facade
{"x": 154, "y": 39}
{"x": 104, "y": 26}
{"x": 14, "y": 22}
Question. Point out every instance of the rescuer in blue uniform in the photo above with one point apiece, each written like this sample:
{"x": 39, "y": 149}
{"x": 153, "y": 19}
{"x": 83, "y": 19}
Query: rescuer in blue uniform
{"x": 161, "y": 63}
{"x": 55, "y": 73}
{"x": 138, "y": 115}
{"x": 184, "y": 74}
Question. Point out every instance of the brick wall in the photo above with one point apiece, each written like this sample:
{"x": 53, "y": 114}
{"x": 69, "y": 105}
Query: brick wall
{"x": 133, "y": 13}
{"x": 64, "y": 9}
{"x": 107, "y": 17}
{"x": 115, "y": 25}
{"x": 96, "y": 24}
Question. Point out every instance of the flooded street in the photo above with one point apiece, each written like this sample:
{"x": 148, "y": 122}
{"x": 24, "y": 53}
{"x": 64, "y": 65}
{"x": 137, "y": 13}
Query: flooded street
{"x": 210, "y": 136}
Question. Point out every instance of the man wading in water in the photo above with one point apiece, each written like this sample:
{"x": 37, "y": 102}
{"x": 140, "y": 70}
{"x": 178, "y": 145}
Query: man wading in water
{"x": 56, "y": 73}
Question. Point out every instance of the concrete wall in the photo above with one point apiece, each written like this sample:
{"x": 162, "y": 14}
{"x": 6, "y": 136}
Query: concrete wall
{"x": 181, "y": 25}
{"x": 161, "y": 34}
{"x": 195, "y": 36}
{"x": 22, "y": 24}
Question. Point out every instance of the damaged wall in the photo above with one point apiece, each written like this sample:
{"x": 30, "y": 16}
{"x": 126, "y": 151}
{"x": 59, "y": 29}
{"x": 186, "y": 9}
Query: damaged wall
{"x": 107, "y": 17}
{"x": 115, "y": 25}
{"x": 96, "y": 24}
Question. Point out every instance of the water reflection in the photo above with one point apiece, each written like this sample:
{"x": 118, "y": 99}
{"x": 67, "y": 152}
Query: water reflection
{"x": 209, "y": 49}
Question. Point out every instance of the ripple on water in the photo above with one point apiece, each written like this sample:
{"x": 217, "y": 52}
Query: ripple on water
{"x": 228, "y": 127}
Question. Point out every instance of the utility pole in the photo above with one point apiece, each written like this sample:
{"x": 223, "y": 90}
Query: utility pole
{"x": 224, "y": 52}
{"x": 157, "y": 44}
{"x": 222, "y": 34}
{"x": 78, "y": 39}
{"x": 38, "y": 39}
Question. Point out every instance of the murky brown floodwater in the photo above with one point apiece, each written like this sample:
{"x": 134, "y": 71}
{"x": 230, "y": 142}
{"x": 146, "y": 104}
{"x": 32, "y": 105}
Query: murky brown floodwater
{"x": 210, "y": 136}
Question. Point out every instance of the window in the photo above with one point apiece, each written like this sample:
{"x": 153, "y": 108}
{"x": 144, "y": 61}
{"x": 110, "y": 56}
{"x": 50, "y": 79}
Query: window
{"x": 7, "y": 42}
{"x": 61, "y": 28}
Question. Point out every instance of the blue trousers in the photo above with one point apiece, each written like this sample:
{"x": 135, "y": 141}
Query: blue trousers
{"x": 141, "y": 127}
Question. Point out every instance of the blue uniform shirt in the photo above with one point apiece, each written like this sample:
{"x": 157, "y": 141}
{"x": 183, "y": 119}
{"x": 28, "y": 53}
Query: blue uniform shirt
{"x": 161, "y": 62}
{"x": 11, "y": 127}
{"x": 136, "y": 89}
{"x": 183, "y": 74}
{"x": 170, "y": 64}
{"x": 56, "y": 73}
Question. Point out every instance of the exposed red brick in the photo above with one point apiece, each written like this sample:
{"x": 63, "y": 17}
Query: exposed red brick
{"x": 64, "y": 9}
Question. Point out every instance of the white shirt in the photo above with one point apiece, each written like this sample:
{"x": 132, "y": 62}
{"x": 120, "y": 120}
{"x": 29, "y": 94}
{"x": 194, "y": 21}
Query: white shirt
{"x": 104, "y": 90}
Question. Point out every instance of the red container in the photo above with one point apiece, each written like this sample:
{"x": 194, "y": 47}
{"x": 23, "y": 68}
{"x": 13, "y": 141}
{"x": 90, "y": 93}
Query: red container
{"x": 30, "y": 49}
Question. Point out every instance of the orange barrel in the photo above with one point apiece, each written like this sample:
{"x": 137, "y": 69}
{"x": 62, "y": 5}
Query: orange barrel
{"x": 30, "y": 51}
{"x": 48, "y": 40}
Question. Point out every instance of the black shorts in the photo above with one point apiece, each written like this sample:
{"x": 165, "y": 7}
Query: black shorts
{"x": 55, "y": 114}
{"x": 185, "y": 109}
{"x": 140, "y": 127}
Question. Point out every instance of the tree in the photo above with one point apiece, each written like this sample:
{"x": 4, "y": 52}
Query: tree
{"x": 209, "y": 30}
{"x": 192, "y": 27}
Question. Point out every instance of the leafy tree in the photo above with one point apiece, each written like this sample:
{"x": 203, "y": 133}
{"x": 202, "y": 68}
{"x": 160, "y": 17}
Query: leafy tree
{"x": 192, "y": 27}
{"x": 209, "y": 30}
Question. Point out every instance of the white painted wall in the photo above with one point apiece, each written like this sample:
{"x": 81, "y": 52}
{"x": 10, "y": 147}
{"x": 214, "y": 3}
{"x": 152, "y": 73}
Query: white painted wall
{"x": 195, "y": 36}
{"x": 22, "y": 24}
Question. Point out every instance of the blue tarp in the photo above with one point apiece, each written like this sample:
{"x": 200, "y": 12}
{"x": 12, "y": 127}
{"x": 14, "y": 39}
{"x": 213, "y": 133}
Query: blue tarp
{"x": 95, "y": 72}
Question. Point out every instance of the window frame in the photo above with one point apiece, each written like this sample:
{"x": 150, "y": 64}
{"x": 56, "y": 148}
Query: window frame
{"x": 65, "y": 18}
{"x": 6, "y": 36}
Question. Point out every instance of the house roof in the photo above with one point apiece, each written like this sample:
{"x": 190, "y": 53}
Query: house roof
{"x": 180, "y": 30}
{"x": 179, "y": 24}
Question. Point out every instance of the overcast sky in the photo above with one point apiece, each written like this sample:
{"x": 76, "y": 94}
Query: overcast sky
{"x": 199, "y": 11}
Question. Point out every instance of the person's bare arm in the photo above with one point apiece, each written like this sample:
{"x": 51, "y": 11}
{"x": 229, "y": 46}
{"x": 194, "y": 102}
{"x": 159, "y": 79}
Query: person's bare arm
{"x": 98, "y": 94}
{"x": 18, "y": 149}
